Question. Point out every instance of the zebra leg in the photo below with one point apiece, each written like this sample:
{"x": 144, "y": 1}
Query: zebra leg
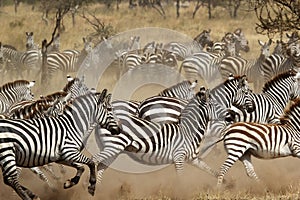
{"x": 73, "y": 181}
{"x": 77, "y": 158}
{"x": 42, "y": 176}
{"x": 203, "y": 166}
{"x": 229, "y": 162}
{"x": 104, "y": 159}
{"x": 246, "y": 159}
{"x": 179, "y": 159}
{"x": 49, "y": 168}
{"x": 11, "y": 175}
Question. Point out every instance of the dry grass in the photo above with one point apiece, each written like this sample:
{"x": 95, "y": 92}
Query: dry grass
{"x": 280, "y": 177}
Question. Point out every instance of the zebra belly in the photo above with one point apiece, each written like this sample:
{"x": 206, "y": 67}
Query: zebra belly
{"x": 153, "y": 158}
{"x": 267, "y": 154}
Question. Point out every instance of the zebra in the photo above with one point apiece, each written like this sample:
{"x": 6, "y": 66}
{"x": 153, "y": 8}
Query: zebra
{"x": 67, "y": 61}
{"x": 270, "y": 103}
{"x": 19, "y": 61}
{"x": 55, "y": 46}
{"x": 53, "y": 139}
{"x": 157, "y": 144}
{"x": 161, "y": 109}
{"x": 203, "y": 39}
{"x": 232, "y": 63}
{"x": 207, "y": 65}
{"x": 30, "y": 45}
{"x": 241, "y": 44}
{"x": 278, "y": 63}
{"x": 254, "y": 72}
{"x": 265, "y": 141}
{"x": 13, "y": 92}
{"x": 182, "y": 90}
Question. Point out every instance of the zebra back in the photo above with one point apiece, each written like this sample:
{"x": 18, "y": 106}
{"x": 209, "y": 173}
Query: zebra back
{"x": 182, "y": 90}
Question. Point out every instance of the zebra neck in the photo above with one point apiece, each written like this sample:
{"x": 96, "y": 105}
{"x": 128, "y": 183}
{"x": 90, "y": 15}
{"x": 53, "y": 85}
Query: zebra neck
{"x": 193, "y": 121}
{"x": 81, "y": 114}
{"x": 284, "y": 97}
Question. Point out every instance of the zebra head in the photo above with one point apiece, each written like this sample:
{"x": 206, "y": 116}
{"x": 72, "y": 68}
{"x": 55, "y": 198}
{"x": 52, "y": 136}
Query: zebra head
{"x": 241, "y": 41}
{"x": 293, "y": 51}
{"x": 76, "y": 86}
{"x": 26, "y": 92}
{"x": 204, "y": 38}
{"x": 107, "y": 119}
{"x": 29, "y": 41}
{"x": 205, "y": 99}
{"x": 88, "y": 45}
{"x": 242, "y": 99}
{"x": 265, "y": 48}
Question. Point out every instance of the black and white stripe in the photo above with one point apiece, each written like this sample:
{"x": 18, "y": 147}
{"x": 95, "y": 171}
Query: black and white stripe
{"x": 151, "y": 143}
{"x": 270, "y": 103}
{"x": 67, "y": 61}
{"x": 36, "y": 142}
{"x": 14, "y": 92}
{"x": 266, "y": 141}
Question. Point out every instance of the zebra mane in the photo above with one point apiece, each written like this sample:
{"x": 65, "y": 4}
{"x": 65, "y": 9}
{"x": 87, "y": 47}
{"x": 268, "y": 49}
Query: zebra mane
{"x": 70, "y": 83}
{"x": 55, "y": 95}
{"x": 9, "y": 47}
{"x": 288, "y": 112}
{"x": 186, "y": 82}
{"x": 14, "y": 84}
{"x": 278, "y": 78}
{"x": 228, "y": 81}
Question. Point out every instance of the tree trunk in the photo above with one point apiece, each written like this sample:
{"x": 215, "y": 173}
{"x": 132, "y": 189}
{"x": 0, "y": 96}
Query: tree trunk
{"x": 44, "y": 70}
{"x": 209, "y": 9}
{"x": 177, "y": 8}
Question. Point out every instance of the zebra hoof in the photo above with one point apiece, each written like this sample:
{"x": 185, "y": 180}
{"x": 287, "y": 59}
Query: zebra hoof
{"x": 91, "y": 190}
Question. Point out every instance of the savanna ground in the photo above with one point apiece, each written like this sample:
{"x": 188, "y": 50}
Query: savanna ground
{"x": 280, "y": 178}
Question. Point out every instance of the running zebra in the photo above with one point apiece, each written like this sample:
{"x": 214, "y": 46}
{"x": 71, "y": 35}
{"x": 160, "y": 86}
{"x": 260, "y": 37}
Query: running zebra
{"x": 53, "y": 139}
{"x": 270, "y": 103}
{"x": 182, "y": 90}
{"x": 265, "y": 141}
{"x": 157, "y": 144}
{"x": 168, "y": 110}
{"x": 14, "y": 92}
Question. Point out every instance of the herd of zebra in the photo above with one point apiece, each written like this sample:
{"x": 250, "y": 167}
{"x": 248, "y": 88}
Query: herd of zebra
{"x": 27, "y": 64}
{"x": 180, "y": 124}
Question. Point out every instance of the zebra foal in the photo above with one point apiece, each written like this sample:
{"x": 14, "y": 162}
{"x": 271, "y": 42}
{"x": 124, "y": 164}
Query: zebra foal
{"x": 266, "y": 141}
{"x": 36, "y": 142}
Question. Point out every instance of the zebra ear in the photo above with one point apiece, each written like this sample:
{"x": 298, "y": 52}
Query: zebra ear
{"x": 230, "y": 77}
{"x": 242, "y": 81}
{"x": 69, "y": 78}
{"x": 31, "y": 84}
{"x": 269, "y": 42}
{"x": 201, "y": 93}
{"x": 108, "y": 98}
{"x": 102, "y": 96}
{"x": 260, "y": 43}
{"x": 194, "y": 84}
